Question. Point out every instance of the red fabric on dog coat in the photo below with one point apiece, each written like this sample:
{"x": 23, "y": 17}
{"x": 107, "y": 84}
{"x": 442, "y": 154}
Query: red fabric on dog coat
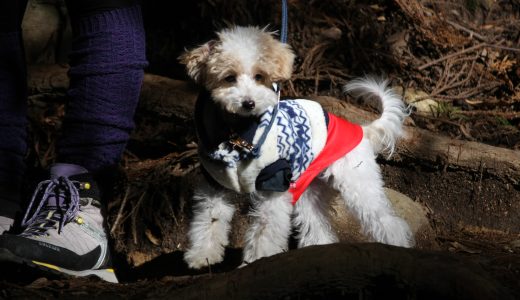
{"x": 342, "y": 137}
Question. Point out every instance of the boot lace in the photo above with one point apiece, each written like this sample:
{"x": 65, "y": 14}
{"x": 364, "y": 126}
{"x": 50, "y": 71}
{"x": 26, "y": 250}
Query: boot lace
{"x": 44, "y": 216}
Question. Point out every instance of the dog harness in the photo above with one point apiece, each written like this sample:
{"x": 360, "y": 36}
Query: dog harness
{"x": 266, "y": 154}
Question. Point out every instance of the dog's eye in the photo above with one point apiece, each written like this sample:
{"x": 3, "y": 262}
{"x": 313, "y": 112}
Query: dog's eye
{"x": 259, "y": 77}
{"x": 230, "y": 78}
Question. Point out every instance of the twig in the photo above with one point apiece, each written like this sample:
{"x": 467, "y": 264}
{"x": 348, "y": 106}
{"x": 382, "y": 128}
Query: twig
{"x": 134, "y": 216}
{"x": 456, "y": 82}
{"x": 473, "y": 48}
{"x": 120, "y": 212}
{"x": 442, "y": 120}
{"x": 471, "y": 32}
{"x": 478, "y": 46}
{"x": 478, "y": 89}
{"x": 503, "y": 114}
{"x": 317, "y": 81}
{"x": 503, "y": 47}
{"x": 291, "y": 87}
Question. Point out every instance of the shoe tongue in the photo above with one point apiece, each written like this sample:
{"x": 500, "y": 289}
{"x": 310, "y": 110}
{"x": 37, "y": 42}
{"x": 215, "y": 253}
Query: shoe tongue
{"x": 62, "y": 170}
{"x": 66, "y": 170}
{"x": 53, "y": 202}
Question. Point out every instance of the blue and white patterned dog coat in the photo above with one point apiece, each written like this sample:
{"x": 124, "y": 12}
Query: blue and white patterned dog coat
{"x": 295, "y": 138}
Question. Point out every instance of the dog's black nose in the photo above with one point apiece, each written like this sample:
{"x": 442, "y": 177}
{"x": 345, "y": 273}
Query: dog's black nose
{"x": 248, "y": 104}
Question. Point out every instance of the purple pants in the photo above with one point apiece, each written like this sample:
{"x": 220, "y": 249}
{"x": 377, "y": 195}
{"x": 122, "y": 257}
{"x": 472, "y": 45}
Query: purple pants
{"x": 106, "y": 72}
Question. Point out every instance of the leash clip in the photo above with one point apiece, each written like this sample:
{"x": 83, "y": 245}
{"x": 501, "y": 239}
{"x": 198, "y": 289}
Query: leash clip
{"x": 239, "y": 144}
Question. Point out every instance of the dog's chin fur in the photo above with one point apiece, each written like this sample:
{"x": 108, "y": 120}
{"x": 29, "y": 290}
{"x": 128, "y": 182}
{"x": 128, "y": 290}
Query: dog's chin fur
{"x": 241, "y": 66}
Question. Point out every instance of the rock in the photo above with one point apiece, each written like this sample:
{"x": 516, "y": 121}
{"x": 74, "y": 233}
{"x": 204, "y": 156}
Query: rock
{"x": 347, "y": 226}
{"x": 420, "y": 100}
{"x": 414, "y": 213}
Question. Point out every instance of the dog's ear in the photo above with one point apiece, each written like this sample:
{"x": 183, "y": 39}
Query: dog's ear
{"x": 282, "y": 58}
{"x": 196, "y": 59}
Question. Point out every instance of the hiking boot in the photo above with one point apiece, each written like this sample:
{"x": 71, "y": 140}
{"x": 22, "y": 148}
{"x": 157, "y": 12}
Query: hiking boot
{"x": 9, "y": 207}
{"x": 63, "y": 227}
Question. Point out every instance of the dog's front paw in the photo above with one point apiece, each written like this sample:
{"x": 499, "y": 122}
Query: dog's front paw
{"x": 197, "y": 258}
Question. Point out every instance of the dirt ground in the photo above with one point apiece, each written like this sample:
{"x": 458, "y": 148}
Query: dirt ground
{"x": 457, "y": 63}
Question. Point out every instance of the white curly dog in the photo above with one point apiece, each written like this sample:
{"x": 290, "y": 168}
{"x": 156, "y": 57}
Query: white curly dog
{"x": 290, "y": 156}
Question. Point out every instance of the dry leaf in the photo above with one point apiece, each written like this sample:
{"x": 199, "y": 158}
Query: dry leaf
{"x": 376, "y": 7}
{"x": 420, "y": 100}
{"x": 152, "y": 238}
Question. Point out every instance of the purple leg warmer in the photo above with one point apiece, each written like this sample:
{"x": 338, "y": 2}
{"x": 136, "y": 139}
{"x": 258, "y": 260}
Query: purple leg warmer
{"x": 107, "y": 61}
{"x": 13, "y": 109}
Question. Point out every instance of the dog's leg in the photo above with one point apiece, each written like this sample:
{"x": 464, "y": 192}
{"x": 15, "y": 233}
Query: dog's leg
{"x": 312, "y": 215}
{"x": 271, "y": 225}
{"x": 358, "y": 179}
{"x": 210, "y": 226}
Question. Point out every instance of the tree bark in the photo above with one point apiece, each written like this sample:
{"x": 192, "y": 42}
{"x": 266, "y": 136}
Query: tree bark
{"x": 175, "y": 99}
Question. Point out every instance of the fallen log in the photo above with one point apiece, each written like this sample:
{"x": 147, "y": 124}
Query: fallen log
{"x": 440, "y": 150}
{"x": 350, "y": 271}
{"x": 175, "y": 99}
{"x": 420, "y": 144}
{"x": 337, "y": 271}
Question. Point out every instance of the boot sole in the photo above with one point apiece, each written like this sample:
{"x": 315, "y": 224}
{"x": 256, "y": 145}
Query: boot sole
{"x": 105, "y": 274}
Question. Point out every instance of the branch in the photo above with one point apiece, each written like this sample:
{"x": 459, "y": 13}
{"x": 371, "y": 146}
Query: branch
{"x": 434, "y": 62}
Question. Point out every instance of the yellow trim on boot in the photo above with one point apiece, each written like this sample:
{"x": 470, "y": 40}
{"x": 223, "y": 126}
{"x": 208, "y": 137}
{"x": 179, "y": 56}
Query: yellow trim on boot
{"x": 58, "y": 268}
{"x": 47, "y": 265}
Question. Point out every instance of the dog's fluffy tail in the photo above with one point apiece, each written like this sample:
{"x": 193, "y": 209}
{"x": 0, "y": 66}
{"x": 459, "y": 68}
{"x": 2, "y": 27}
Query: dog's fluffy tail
{"x": 383, "y": 132}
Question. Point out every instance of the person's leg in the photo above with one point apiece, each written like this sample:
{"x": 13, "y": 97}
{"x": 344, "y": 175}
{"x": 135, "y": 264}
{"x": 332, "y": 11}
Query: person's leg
{"x": 106, "y": 72}
{"x": 64, "y": 223}
{"x": 13, "y": 109}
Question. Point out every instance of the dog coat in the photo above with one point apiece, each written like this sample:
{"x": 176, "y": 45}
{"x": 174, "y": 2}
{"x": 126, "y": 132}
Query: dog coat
{"x": 284, "y": 149}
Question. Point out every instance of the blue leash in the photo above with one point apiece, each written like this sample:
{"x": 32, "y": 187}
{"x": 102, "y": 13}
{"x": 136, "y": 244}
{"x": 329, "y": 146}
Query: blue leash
{"x": 283, "y": 38}
{"x": 285, "y": 16}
